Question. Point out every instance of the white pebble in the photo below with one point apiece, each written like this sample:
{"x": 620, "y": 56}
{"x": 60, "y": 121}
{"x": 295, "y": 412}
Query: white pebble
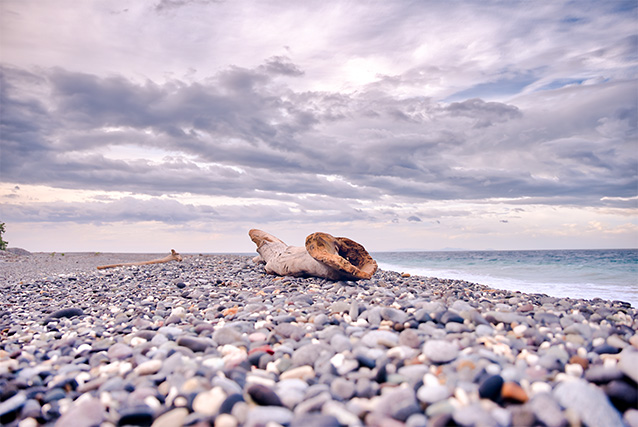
{"x": 152, "y": 402}
{"x": 519, "y": 330}
{"x": 574, "y": 369}
{"x": 337, "y": 360}
{"x": 149, "y": 367}
{"x": 257, "y": 379}
{"x": 493, "y": 369}
{"x": 610, "y": 362}
{"x": 302, "y": 372}
{"x": 225, "y": 420}
{"x": 28, "y": 422}
{"x": 598, "y": 341}
{"x": 462, "y": 396}
{"x": 209, "y": 402}
{"x": 540, "y": 387}
{"x": 361, "y": 322}
{"x": 83, "y": 347}
{"x": 178, "y": 311}
{"x": 430, "y": 380}
{"x": 135, "y": 341}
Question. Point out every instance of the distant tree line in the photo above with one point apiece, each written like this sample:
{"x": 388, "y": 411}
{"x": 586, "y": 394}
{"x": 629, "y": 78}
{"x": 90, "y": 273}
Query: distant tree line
{"x": 3, "y": 243}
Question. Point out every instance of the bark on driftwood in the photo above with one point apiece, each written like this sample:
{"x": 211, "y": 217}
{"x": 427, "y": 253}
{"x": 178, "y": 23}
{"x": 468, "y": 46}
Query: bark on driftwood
{"x": 334, "y": 258}
{"x": 174, "y": 256}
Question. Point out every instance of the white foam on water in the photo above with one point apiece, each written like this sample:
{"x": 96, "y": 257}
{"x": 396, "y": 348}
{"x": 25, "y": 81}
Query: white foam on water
{"x": 562, "y": 289}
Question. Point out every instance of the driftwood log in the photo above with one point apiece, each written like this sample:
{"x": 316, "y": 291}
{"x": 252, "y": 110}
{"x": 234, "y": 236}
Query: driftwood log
{"x": 334, "y": 258}
{"x": 174, "y": 256}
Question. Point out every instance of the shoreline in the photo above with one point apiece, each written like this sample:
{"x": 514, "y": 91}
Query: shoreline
{"x": 216, "y": 341}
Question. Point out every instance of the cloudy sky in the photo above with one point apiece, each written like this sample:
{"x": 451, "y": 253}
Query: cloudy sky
{"x": 149, "y": 125}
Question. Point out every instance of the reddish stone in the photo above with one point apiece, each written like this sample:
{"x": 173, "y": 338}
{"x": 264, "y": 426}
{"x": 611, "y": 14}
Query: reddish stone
{"x": 264, "y": 348}
{"x": 513, "y": 391}
{"x": 580, "y": 360}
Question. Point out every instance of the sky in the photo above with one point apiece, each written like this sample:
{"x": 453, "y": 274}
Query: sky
{"x": 141, "y": 126}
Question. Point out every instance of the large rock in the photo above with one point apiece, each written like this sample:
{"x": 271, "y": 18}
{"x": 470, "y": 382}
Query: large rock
{"x": 589, "y": 402}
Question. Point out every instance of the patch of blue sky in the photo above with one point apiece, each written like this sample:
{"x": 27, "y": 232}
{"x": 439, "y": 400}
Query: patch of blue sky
{"x": 499, "y": 89}
{"x": 559, "y": 83}
{"x": 574, "y": 20}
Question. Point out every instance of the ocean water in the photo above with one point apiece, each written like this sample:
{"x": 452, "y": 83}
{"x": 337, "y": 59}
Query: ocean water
{"x": 610, "y": 274}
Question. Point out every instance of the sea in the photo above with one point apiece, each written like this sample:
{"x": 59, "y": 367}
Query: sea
{"x": 610, "y": 274}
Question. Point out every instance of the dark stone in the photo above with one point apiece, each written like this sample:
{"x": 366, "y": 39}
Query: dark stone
{"x": 284, "y": 318}
{"x": 366, "y": 361}
{"x": 146, "y": 334}
{"x": 264, "y": 360}
{"x": 180, "y": 285}
{"x": 622, "y": 395}
{"x": 382, "y": 374}
{"x": 54, "y": 394}
{"x": 195, "y": 344}
{"x": 606, "y": 349}
{"x": 227, "y": 405}
{"x": 422, "y": 316}
{"x": 140, "y": 415}
{"x": 10, "y": 407}
{"x": 450, "y": 316}
{"x": 264, "y": 396}
{"x": 491, "y": 387}
{"x": 67, "y": 312}
{"x": 253, "y": 358}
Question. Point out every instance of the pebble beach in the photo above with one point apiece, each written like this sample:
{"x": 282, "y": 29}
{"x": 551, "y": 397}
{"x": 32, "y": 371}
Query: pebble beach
{"x": 215, "y": 341}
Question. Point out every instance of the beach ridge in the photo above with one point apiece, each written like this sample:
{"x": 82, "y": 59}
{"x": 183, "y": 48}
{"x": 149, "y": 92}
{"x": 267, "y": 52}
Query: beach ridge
{"x": 214, "y": 340}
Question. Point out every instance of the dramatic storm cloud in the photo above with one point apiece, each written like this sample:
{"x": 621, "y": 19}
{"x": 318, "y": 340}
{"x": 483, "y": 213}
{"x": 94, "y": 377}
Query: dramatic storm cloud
{"x": 418, "y": 125}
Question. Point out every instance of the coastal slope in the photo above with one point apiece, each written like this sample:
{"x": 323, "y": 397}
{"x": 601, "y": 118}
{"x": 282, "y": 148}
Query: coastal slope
{"x": 214, "y": 340}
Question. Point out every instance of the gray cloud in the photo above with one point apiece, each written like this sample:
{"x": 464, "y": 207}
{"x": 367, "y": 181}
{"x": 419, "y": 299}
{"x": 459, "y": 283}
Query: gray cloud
{"x": 241, "y": 131}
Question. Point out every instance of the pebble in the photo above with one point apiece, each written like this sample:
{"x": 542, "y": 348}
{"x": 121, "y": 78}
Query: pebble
{"x": 315, "y": 420}
{"x": 12, "y": 404}
{"x": 263, "y": 395}
{"x": 224, "y": 420}
{"x": 305, "y": 372}
{"x": 380, "y": 337}
{"x": 433, "y": 393}
{"x": 174, "y": 417}
{"x": 439, "y": 351}
{"x": 208, "y": 402}
{"x": 588, "y": 401}
{"x": 119, "y": 351}
{"x": 629, "y": 364}
{"x": 342, "y": 389}
{"x": 149, "y": 367}
{"x": 193, "y": 343}
{"x": 513, "y": 391}
{"x": 264, "y": 415}
{"x": 491, "y": 387}
{"x": 227, "y": 335}
{"x": 139, "y": 415}
{"x": 67, "y": 312}
{"x": 547, "y": 410}
{"x": 226, "y": 344}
